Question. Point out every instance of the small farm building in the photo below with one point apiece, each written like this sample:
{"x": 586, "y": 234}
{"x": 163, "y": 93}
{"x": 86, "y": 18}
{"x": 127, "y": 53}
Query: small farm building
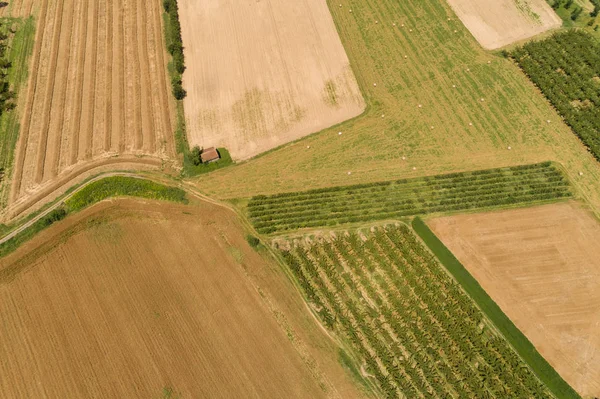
{"x": 210, "y": 155}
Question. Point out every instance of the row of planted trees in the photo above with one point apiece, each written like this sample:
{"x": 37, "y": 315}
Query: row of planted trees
{"x": 409, "y": 324}
{"x": 566, "y": 68}
{"x": 175, "y": 47}
{"x": 455, "y": 192}
{"x": 7, "y": 95}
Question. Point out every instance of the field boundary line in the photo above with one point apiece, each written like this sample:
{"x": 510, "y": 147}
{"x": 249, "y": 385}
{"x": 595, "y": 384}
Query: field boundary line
{"x": 521, "y": 344}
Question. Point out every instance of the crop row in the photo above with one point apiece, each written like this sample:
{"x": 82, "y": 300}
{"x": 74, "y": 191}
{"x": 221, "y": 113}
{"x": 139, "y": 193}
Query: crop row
{"x": 411, "y": 326}
{"x": 384, "y": 200}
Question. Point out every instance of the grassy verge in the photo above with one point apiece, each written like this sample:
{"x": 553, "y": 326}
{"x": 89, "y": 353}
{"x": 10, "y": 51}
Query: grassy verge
{"x": 175, "y": 68}
{"x": 116, "y": 186}
{"x": 515, "y": 337}
{"x": 21, "y": 47}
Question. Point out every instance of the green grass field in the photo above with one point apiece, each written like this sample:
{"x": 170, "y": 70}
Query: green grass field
{"x": 21, "y": 47}
{"x": 452, "y": 131}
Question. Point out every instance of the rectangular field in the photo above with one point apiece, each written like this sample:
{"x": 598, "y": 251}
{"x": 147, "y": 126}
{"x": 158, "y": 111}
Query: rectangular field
{"x": 541, "y": 266}
{"x": 97, "y": 88}
{"x": 499, "y": 23}
{"x": 135, "y": 301}
{"x": 481, "y": 189}
{"x": 412, "y": 327}
{"x": 263, "y": 73}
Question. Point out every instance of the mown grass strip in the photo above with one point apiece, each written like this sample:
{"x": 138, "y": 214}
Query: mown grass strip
{"x": 502, "y": 187}
{"x": 517, "y": 339}
{"x": 115, "y": 186}
{"x": 19, "y": 52}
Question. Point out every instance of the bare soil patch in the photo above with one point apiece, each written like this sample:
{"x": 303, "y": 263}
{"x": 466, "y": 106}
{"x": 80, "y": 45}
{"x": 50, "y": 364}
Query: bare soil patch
{"x": 541, "y": 266}
{"x": 131, "y": 299}
{"x": 263, "y": 73}
{"x": 97, "y": 89}
{"x": 499, "y": 23}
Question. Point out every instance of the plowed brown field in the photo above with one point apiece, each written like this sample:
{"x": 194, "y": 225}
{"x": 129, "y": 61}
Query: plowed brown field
{"x": 541, "y": 266}
{"x": 263, "y": 73}
{"x": 97, "y": 88}
{"x": 132, "y": 300}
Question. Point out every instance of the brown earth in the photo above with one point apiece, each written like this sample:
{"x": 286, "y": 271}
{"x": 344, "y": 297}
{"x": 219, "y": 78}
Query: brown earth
{"x": 499, "y": 23}
{"x": 541, "y": 266}
{"x": 263, "y": 73}
{"x": 132, "y": 299}
{"x": 97, "y": 89}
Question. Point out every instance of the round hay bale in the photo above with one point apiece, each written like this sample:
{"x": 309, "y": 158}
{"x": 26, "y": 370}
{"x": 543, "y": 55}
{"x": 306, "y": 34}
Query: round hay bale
{"x": 374, "y": 84}
{"x": 420, "y": 106}
{"x": 580, "y": 173}
{"x": 509, "y": 147}
{"x": 414, "y": 168}
{"x": 339, "y": 133}
{"x": 349, "y": 173}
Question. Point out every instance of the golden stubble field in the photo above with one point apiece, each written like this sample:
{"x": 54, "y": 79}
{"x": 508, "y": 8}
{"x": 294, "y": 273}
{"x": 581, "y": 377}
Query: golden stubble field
{"x": 541, "y": 266}
{"x": 98, "y": 91}
{"x": 263, "y": 73}
{"x": 132, "y": 300}
{"x": 499, "y": 23}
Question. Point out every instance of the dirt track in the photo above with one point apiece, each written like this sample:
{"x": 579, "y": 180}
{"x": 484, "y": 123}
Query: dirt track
{"x": 263, "y": 73}
{"x": 541, "y": 266}
{"x": 126, "y": 300}
{"x": 499, "y": 23}
{"x": 97, "y": 88}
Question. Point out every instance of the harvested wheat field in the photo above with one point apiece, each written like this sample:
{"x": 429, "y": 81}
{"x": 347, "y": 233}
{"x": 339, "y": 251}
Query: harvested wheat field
{"x": 261, "y": 74}
{"x": 97, "y": 89}
{"x": 499, "y": 23}
{"x": 17, "y": 8}
{"x": 132, "y": 300}
{"x": 541, "y": 266}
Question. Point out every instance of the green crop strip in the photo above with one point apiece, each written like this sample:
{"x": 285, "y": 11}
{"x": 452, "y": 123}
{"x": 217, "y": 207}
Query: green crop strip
{"x": 520, "y": 185}
{"x": 414, "y": 330}
{"x": 522, "y": 345}
{"x": 118, "y": 186}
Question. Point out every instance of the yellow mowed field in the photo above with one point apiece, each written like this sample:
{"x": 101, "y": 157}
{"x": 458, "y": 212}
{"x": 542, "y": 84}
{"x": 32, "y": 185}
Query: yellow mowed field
{"x": 263, "y": 73}
{"x": 541, "y": 266}
{"x": 474, "y": 106}
{"x": 499, "y": 23}
{"x": 97, "y": 89}
{"x": 134, "y": 300}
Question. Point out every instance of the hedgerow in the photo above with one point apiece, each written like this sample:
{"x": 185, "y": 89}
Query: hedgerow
{"x": 117, "y": 186}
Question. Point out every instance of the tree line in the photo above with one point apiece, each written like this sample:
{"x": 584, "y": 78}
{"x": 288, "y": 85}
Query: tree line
{"x": 175, "y": 47}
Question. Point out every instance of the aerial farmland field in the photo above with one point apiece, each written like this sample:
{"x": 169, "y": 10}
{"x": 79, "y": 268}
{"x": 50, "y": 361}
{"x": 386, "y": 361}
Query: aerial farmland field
{"x": 541, "y": 266}
{"x": 133, "y": 265}
{"x": 261, "y": 74}
{"x": 425, "y": 62}
{"x": 135, "y": 300}
{"x": 97, "y": 89}
{"x": 497, "y": 24}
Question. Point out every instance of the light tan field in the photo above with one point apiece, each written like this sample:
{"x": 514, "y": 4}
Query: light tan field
{"x": 541, "y": 266}
{"x": 129, "y": 300}
{"x": 17, "y": 8}
{"x": 97, "y": 89}
{"x": 263, "y": 73}
{"x": 498, "y": 23}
